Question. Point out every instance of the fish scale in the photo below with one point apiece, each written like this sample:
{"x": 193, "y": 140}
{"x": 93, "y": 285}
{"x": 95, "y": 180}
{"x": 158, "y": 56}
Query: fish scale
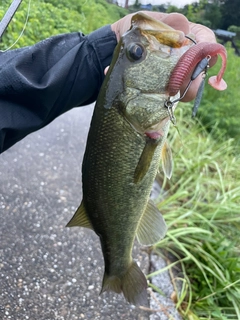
{"x": 106, "y": 150}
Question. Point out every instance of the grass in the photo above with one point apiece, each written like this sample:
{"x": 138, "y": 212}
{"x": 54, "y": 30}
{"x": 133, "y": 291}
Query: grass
{"x": 219, "y": 109}
{"x": 202, "y": 210}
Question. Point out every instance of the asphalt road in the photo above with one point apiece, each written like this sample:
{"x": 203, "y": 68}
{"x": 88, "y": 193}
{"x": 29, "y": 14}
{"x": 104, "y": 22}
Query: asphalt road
{"x": 47, "y": 271}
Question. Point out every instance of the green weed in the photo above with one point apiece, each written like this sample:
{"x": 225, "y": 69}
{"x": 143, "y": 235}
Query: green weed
{"x": 202, "y": 211}
{"x": 219, "y": 110}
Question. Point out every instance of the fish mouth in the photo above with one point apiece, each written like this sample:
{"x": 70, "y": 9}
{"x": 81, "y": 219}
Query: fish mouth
{"x": 157, "y": 131}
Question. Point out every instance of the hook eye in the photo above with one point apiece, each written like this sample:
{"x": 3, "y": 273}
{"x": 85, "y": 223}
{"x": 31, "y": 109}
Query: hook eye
{"x": 169, "y": 105}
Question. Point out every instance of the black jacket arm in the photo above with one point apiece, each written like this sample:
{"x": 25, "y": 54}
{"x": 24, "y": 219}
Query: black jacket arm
{"x": 40, "y": 82}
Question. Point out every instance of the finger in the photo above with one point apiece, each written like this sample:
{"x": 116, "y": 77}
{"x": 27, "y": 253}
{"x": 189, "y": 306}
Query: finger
{"x": 177, "y": 21}
{"x": 202, "y": 33}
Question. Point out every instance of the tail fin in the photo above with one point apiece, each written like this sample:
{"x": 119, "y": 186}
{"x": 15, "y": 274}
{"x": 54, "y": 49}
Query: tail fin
{"x": 133, "y": 285}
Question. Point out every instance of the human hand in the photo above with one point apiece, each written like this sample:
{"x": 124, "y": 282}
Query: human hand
{"x": 178, "y": 22}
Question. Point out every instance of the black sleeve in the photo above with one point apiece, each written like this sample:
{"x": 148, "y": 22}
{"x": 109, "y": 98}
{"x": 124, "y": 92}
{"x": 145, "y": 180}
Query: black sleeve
{"x": 40, "y": 82}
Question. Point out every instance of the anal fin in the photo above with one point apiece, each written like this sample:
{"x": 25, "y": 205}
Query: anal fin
{"x": 80, "y": 218}
{"x": 152, "y": 227}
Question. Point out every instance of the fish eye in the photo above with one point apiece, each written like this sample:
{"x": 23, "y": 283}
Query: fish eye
{"x": 135, "y": 51}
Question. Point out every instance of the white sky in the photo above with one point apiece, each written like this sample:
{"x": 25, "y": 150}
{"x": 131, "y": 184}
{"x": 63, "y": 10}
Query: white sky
{"x": 177, "y": 3}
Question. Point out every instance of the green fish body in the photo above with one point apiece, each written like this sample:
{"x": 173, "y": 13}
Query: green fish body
{"x": 126, "y": 141}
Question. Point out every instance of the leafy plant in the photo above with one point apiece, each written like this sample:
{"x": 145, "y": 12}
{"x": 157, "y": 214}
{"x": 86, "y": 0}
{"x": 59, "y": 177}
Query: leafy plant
{"x": 38, "y": 20}
{"x": 220, "y": 110}
{"x": 202, "y": 211}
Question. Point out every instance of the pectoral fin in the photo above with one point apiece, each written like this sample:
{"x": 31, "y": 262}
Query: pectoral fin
{"x": 80, "y": 218}
{"x": 145, "y": 160}
{"x": 152, "y": 227}
{"x": 167, "y": 160}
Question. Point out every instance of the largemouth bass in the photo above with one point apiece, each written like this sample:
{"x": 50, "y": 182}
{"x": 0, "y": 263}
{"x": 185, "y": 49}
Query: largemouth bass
{"x": 126, "y": 141}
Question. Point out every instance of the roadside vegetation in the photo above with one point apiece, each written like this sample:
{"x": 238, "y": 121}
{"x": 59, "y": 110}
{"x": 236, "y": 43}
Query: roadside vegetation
{"x": 201, "y": 207}
{"x": 202, "y": 203}
{"x": 221, "y": 110}
{"x": 37, "y": 20}
{"x": 202, "y": 199}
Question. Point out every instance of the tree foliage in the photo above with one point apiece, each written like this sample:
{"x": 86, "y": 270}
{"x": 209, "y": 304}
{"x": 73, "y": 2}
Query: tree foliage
{"x": 230, "y": 13}
{"x": 43, "y": 21}
{"x": 51, "y": 17}
{"x": 213, "y": 14}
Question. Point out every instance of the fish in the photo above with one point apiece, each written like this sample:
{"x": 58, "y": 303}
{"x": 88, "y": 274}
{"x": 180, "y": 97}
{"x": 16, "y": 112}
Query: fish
{"x": 126, "y": 141}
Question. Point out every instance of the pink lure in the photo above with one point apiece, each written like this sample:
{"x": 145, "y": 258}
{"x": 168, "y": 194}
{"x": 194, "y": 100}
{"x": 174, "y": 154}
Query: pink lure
{"x": 190, "y": 59}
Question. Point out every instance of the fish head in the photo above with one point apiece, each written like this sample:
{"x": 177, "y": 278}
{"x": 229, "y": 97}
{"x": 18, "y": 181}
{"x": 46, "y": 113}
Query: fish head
{"x": 144, "y": 60}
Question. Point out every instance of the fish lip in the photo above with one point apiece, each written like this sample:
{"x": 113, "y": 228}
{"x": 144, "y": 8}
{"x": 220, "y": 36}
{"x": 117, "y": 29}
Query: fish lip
{"x": 157, "y": 131}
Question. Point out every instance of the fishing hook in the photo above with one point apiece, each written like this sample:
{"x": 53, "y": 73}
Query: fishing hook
{"x": 191, "y": 39}
{"x": 202, "y": 66}
{"x": 169, "y": 105}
